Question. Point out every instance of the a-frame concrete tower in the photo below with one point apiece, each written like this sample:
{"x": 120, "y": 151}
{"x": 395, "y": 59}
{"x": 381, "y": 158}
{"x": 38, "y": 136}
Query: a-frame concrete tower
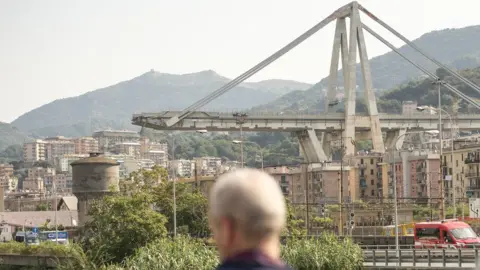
{"x": 345, "y": 47}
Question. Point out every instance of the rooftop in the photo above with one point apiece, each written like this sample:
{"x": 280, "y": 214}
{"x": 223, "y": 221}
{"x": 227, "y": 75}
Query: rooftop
{"x": 38, "y": 218}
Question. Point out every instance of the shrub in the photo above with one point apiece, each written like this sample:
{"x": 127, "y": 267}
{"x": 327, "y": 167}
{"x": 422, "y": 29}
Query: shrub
{"x": 325, "y": 252}
{"x": 166, "y": 253}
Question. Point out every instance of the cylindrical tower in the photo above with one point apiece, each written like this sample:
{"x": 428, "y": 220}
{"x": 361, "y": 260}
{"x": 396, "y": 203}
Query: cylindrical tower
{"x": 93, "y": 178}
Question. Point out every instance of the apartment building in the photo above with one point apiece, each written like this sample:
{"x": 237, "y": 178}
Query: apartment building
{"x": 34, "y": 151}
{"x": 62, "y": 163}
{"x": 6, "y": 170}
{"x": 33, "y": 184}
{"x": 58, "y": 147}
{"x": 181, "y": 167}
{"x": 158, "y": 156}
{"x": 284, "y": 176}
{"x": 463, "y": 168}
{"x": 107, "y": 139}
{"x": 9, "y": 183}
{"x": 56, "y": 183}
{"x": 208, "y": 165}
{"x": 371, "y": 183}
{"x": 416, "y": 173}
{"x": 128, "y": 148}
{"x": 85, "y": 145}
{"x": 35, "y": 179}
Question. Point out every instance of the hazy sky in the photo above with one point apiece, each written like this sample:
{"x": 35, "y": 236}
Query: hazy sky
{"x": 52, "y": 49}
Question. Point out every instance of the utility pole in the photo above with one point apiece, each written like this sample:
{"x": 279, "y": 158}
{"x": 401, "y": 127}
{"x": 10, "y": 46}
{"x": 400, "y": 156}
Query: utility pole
{"x": 342, "y": 154}
{"x": 174, "y": 187}
{"x": 307, "y": 197}
{"x": 56, "y": 203}
{"x": 241, "y": 118}
{"x": 439, "y": 83}
{"x": 195, "y": 171}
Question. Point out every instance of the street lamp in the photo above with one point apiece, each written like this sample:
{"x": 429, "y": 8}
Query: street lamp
{"x": 429, "y": 108}
{"x": 201, "y": 131}
{"x": 395, "y": 203}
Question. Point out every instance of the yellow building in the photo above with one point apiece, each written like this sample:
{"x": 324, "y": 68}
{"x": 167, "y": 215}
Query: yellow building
{"x": 463, "y": 169}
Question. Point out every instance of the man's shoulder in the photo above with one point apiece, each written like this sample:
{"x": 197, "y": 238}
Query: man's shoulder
{"x": 251, "y": 266}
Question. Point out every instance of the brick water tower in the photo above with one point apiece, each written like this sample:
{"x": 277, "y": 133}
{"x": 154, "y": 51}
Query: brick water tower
{"x": 93, "y": 178}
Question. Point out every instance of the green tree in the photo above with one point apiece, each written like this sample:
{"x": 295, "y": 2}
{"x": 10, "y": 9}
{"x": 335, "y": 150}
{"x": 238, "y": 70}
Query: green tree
{"x": 41, "y": 207}
{"x": 191, "y": 206}
{"x": 143, "y": 180}
{"x": 295, "y": 226}
{"x": 121, "y": 224}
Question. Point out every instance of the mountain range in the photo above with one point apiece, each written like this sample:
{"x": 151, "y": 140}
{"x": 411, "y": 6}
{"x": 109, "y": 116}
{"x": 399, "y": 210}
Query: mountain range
{"x": 112, "y": 107}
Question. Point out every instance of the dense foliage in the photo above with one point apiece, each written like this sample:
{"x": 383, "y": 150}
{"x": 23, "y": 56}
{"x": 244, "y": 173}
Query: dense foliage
{"x": 120, "y": 225}
{"x": 181, "y": 253}
{"x": 325, "y": 252}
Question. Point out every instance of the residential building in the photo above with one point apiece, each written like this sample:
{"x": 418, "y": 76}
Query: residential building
{"x": 229, "y": 165}
{"x": 56, "y": 183}
{"x": 416, "y": 173}
{"x": 34, "y": 151}
{"x": 9, "y": 183}
{"x": 57, "y": 147}
{"x": 62, "y": 163}
{"x": 41, "y": 172}
{"x": 33, "y": 184}
{"x": 158, "y": 156}
{"x": 208, "y": 165}
{"x": 107, "y": 139}
{"x": 181, "y": 167}
{"x": 371, "y": 183}
{"x": 35, "y": 179}
{"x": 6, "y": 170}
{"x": 128, "y": 148}
{"x": 464, "y": 168}
{"x": 147, "y": 145}
{"x": 85, "y": 145}
{"x": 129, "y": 165}
{"x": 284, "y": 176}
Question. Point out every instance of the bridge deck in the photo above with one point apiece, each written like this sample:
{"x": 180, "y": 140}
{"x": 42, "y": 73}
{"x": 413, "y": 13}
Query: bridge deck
{"x": 218, "y": 121}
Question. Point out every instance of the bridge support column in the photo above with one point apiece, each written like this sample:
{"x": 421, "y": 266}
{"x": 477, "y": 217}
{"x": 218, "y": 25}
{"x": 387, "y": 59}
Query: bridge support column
{"x": 391, "y": 136}
{"x": 310, "y": 146}
{"x": 340, "y": 49}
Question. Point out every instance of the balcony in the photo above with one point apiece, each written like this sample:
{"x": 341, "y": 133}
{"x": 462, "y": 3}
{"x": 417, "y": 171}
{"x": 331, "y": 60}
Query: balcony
{"x": 473, "y": 188}
{"x": 362, "y": 166}
{"x": 472, "y": 160}
{"x": 472, "y": 174}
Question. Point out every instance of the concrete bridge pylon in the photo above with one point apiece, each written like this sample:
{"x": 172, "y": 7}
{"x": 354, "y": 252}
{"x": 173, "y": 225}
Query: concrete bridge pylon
{"x": 345, "y": 46}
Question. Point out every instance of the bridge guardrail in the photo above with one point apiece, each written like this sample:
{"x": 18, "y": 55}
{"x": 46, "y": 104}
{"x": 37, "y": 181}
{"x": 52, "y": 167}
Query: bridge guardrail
{"x": 423, "y": 257}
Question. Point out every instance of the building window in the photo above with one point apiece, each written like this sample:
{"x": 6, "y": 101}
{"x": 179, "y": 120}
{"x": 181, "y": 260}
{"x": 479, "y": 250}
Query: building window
{"x": 371, "y": 161}
{"x": 456, "y": 161}
{"x": 371, "y": 182}
{"x": 373, "y": 192}
{"x": 371, "y": 172}
{"x": 361, "y": 161}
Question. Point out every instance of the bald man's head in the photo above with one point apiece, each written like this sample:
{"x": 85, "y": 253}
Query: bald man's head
{"x": 252, "y": 201}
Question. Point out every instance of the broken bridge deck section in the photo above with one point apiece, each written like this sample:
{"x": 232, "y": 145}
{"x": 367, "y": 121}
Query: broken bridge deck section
{"x": 217, "y": 121}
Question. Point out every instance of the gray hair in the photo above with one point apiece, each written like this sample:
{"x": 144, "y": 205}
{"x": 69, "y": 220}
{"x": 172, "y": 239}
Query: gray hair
{"x": 252, "y": 200}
